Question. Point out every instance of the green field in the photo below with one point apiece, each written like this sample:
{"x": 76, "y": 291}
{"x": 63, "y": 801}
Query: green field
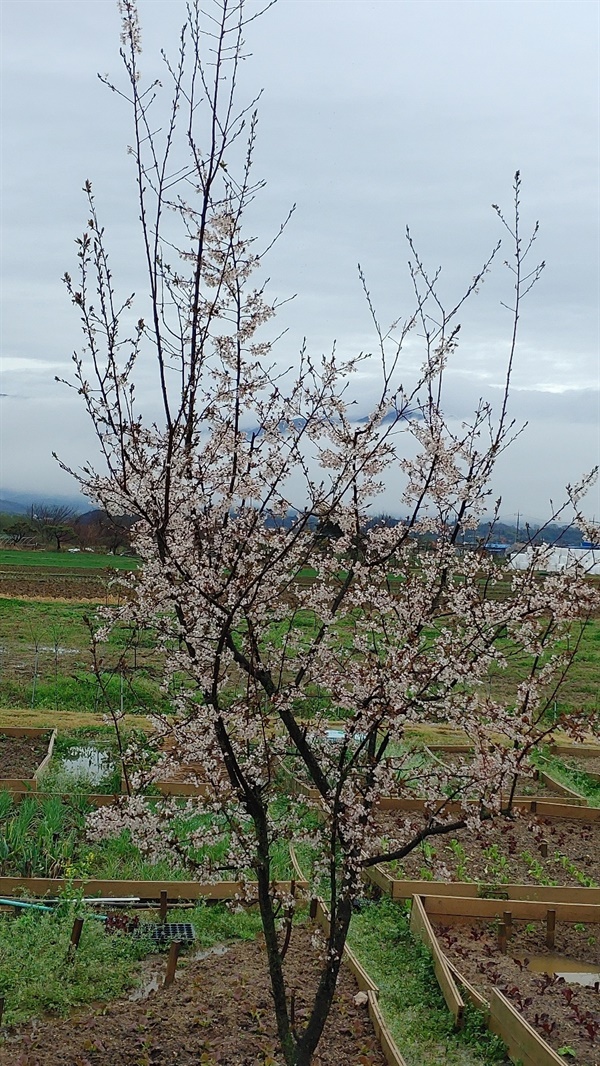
{"x": 45, "y": 661}
{"x": 68, "y": 560}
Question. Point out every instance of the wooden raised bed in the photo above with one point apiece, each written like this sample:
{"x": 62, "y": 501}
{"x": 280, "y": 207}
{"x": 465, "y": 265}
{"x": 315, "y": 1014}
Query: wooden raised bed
{"x": 405, "y": 889}
{"x": 145, "y": 890}
{"x": 27, "y": 783}
{"x": 525, "y": 1045}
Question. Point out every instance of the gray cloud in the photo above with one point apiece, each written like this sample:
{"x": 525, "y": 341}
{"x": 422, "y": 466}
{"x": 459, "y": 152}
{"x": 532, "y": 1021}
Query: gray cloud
{"x": 375, "y": 115}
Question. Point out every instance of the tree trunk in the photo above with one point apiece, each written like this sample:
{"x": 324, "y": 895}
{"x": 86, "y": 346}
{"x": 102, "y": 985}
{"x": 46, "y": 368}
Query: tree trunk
{"x": 340, "y": 923}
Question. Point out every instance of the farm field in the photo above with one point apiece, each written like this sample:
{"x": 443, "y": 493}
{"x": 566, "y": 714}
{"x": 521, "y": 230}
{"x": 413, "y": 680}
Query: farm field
{"x": 45, "y": 659}
{"x": 525, "y": 850}
{"x": 65, "y": 560}
{"x": 46, "y": 836}
{"x": 46, "y": 679}
{"x": 543, "y": 983}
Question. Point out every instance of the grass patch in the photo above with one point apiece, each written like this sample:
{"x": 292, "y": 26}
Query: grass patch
{"x": 410, "y": 997}
{"x": 68, "y": 560}
{"x": 573, "y": 778}
{"x": 35, "y": 975}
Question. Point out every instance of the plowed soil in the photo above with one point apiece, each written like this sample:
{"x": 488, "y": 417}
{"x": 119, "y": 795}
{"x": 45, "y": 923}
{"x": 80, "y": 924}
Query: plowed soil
{"x": 217, "y": 1013}
{"x": 21, "y": 756}
{"x": 565, "y": 1014}
{"x": 43, "y": 583}
{"x": 523, "y": 850}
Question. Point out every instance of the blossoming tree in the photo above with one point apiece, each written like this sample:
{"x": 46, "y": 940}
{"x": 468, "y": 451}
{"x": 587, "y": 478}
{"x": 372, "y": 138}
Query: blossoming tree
{"x": 278, "y": 605}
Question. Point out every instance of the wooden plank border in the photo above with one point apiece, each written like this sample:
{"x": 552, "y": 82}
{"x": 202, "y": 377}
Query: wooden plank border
{"x": 404, "y": 889}
{"x": 472, "y": 994}
{"x": 377, "y": 875}
{"x": 522, "y": 910}
{"x": 388, "y": 1046}
{"x": 421, "y": 928}
{"x": 18, "y": 784}
{"x": 94, "y": 799}
{"x": 146, "y": 890}
{"x": 522, "y": 1040}
{"x": 577, "y": 750}
{"x": 547, "y": 807}
{"x": 46, "y": 758}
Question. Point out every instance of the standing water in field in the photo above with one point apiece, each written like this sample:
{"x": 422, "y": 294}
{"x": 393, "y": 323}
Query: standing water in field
{"x": 573, "y": 971}
{"x": 88, "y": 762}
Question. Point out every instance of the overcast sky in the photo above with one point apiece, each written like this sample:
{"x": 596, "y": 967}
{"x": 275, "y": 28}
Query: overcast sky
{"x": 376, "y": 114}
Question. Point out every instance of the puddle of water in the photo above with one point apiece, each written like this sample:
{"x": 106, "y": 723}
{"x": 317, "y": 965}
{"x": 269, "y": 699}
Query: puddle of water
{"x": 59, "y": 650}
{"x": 203, "y": 953}
{"x": 155, "y": 973}
{"x": 152, "y": 984}
{"x": 88, "y": 762}
{"x": 574, "y": 971}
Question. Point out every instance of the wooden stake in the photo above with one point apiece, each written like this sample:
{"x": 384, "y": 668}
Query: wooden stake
{"x": 163, "y": 906}
{"x": 507, "y": 918}
{"x": 502, "y": 938}
{"x": 172, "y": 963}
{"x": 550, "y": 928}
{"x": 544, "y": 849}
{"x": 313, "y": 908}
{"x": 75, "y": 937}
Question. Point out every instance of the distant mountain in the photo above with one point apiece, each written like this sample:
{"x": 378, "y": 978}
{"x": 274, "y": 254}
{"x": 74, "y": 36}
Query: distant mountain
{"x": 392, "y": 416}
{"x": 12, "y": 506}
{"x": 13, "y": 501}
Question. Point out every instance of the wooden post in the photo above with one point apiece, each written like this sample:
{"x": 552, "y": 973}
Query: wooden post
{"x": 544, "y": 849}
{"x": 502, "y": 938}
{"x": 313, "y": 908}
{"x": 75, "y": 937}
{"x": 507, "y": 919}
{"x": 172, "y": 963}
{"x": 550, "y": 928}
{"x": 163, "y": 907}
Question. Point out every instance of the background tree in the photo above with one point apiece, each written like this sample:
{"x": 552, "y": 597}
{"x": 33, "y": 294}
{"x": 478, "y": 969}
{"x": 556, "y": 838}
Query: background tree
{"x": 19, "y": 530}
{"x": 54, "y": 523}
{"x": 269, "y": 628}
{"x": 98, "y": 529}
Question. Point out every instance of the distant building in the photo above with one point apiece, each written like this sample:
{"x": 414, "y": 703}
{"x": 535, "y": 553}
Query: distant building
{"x": 496, "y": 548}
{"x": 555, "y": 559}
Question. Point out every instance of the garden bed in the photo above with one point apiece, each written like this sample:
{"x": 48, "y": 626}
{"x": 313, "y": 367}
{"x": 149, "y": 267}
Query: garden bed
{"x": 219, "y": 1008}
{"x": 537, "y": 980}
{"x": 529, "y": 849}
{"x": 24, "y": 753}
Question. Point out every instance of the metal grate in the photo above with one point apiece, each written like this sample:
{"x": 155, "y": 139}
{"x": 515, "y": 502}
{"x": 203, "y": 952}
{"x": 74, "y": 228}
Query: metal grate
{"x": 165, "y": 932}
